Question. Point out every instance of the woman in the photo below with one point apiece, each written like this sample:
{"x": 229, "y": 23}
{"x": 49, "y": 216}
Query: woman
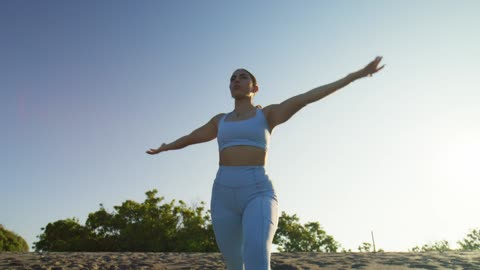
{"x": 244, "y": 202}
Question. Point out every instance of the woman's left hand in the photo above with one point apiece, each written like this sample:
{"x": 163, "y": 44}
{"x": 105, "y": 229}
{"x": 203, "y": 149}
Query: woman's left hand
{"x": 372, "y": 67}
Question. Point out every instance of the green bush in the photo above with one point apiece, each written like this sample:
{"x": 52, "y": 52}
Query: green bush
{"x": 153, "y": 226}
{"x": 136, "y": 227}
{"x": 471, "y": 242}
{"x": 440, "y": 246}
{"x": 292, "y": 236}
{"x": 9, "y": 241}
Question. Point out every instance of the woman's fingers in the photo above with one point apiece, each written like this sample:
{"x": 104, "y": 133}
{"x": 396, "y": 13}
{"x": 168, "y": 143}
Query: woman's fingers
{"x": 377, "y": 61}
{"x": 372, "y": 67}
{"x": 152, "y": 151}
{"x": 380, "y": 68}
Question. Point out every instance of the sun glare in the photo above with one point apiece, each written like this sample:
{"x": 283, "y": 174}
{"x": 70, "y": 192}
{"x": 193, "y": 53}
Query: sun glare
{"x": 456, "y": 165}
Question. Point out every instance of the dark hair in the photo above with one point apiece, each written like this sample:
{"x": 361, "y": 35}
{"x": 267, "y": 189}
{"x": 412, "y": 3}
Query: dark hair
{"x": 254, "y": 80}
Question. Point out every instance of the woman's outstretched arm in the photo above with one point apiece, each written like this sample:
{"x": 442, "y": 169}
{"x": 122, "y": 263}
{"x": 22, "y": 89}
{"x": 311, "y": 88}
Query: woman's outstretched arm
{"x": 202, "y": 134}
{"x": 280, "y": 113}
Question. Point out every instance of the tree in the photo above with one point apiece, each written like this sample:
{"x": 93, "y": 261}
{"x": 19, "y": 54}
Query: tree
{"x": 65, "y": 235}
{"x": 138, "y": 227}
{"x": 196, "y": 230}
{"x": 10, "y": 241}
{"x": 154, "y": 226}
{"x": 291, "y": 236}
{"x": 471, "y": 242}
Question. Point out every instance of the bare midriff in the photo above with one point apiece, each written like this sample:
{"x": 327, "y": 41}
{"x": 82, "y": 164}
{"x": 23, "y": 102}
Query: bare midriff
{"x": 243, "y": 155}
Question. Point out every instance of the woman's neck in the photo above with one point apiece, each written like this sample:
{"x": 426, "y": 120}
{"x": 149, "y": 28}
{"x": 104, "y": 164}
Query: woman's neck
{"x": 242, "y": 106}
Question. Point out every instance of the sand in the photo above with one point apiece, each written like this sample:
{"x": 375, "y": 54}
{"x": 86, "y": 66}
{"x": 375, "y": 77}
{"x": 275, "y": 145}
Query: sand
{"x": 280, "y": 261}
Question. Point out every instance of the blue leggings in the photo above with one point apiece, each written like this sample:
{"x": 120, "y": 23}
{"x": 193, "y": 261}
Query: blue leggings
{"x": 245, "y": 216}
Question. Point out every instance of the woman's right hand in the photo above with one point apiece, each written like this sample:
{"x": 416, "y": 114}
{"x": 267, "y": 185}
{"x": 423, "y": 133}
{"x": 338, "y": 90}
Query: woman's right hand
{"x": 158, "y": 150}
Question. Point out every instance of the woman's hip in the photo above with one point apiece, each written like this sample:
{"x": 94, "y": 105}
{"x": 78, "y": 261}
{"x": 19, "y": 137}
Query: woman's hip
{"x": 236, "y": 186}
{"x": 241, "y": 176}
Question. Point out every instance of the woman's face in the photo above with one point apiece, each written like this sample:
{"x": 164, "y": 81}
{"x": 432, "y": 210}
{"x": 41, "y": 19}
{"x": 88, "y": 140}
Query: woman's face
{"x": 241, "y": 85}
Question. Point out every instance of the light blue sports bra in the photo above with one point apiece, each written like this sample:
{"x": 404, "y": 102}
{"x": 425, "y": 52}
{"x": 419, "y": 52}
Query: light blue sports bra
{"x": 252, "y": 131}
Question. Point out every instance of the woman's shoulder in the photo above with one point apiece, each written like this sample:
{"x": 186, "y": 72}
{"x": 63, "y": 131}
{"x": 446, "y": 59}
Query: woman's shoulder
{"x": 216, "y": 119}
{"x": 218, "y": 116}
{"x": 268, "y": 109}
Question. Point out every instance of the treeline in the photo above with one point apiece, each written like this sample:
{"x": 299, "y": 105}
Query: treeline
{"x": 138, "y": 227}
{"x": 158, "y": 226}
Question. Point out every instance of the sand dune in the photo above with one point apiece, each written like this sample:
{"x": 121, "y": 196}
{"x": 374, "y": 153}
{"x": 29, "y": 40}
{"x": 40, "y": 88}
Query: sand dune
{"x": 280, "y": 261}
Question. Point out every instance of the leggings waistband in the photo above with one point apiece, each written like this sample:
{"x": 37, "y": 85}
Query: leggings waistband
{"x": 237, "y": 176}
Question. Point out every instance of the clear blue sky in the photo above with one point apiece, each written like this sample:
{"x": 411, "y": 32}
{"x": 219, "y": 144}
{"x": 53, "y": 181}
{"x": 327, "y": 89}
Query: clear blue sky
{"x": 86, "y": 87}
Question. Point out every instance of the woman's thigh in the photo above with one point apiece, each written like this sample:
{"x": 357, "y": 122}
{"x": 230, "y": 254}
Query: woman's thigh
{"x": 260, "y": 221}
